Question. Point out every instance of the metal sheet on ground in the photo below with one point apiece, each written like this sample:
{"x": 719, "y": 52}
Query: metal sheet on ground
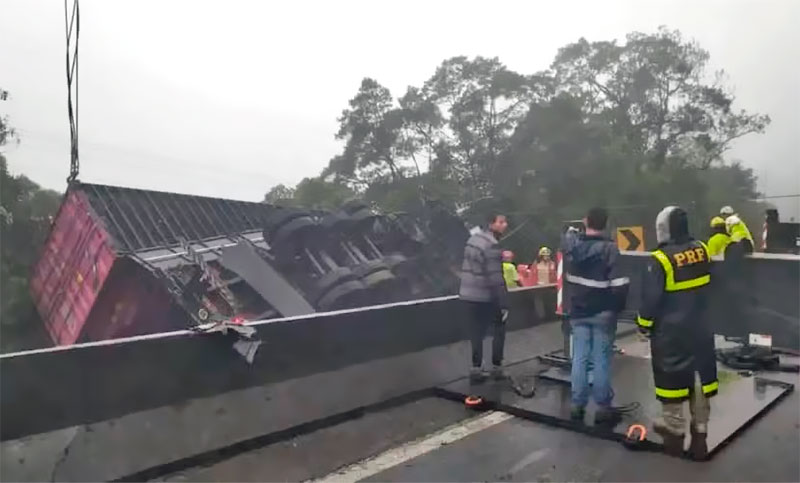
{"x": 740, "y": 400}
{"x": 520, "y": 450}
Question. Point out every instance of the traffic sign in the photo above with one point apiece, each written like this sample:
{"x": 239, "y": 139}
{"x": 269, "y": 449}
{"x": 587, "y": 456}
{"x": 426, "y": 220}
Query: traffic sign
{"x": 630, "y": 238}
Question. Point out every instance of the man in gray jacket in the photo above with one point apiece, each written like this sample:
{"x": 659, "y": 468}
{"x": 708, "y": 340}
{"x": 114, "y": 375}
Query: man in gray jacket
{"x": 484, "y": 293}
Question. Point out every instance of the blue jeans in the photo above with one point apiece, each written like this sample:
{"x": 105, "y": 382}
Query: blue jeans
{"x": 593, "y": 340}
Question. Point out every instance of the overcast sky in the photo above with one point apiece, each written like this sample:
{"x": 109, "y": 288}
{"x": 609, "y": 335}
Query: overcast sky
{"x": 229, "y": 98}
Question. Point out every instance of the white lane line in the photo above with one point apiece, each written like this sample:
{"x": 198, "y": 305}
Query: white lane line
{"x": 529, "y": 460}
{"x": 401, "y": 454}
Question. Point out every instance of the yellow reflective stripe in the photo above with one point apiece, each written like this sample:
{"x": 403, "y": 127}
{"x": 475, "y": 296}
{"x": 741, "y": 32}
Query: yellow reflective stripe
{"x": 672, "y": 393}
{"x": 644, "y": 322}
{"x": 670, "y": 285}
{"x": 687, "y": 284}
{"x": 710, "y": 387}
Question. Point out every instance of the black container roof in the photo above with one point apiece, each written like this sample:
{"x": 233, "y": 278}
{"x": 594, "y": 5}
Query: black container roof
{"x": 142, "y": 219}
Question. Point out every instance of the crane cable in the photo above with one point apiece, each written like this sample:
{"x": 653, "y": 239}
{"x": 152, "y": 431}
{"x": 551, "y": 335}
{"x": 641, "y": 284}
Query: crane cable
{"x": 72, "y": 24}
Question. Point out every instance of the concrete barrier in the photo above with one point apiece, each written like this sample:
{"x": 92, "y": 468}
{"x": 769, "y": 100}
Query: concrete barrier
{"x": 763, "y": 297}
{"x": 104, "y": 410}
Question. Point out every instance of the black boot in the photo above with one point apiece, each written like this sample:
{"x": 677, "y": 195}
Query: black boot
{"x": 698, "y": 449}
{"x": 673, "y": 443}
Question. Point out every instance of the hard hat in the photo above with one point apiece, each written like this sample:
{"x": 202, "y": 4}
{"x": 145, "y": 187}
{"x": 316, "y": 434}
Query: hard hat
{"x": 732, "y": 220}
{"x": 717, "y": 221}
{"x": 544, "y": 251}
{"x": 726, "y": 211}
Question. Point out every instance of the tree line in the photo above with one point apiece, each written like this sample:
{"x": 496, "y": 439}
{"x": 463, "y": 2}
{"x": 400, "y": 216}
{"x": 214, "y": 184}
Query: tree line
{"x": 630, "y": 125}
{"x": 26, "y": 213}
{"x": 635, "y": 124}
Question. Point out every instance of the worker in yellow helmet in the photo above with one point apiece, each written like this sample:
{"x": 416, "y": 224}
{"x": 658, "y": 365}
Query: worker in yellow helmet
{"x": 737, "y": 229}
{"x": 545, "y": 267}
{"x": 510, "y": 274}
{"x": 739, "y": 234}
{"x": 719, "y": 239}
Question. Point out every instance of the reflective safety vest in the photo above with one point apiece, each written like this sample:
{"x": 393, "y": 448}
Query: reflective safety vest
{"x": 739, "y": 232}
{"x": 673, "y": 309}
{"x": 510, "y": 275}
{"x": 717, "y": 243}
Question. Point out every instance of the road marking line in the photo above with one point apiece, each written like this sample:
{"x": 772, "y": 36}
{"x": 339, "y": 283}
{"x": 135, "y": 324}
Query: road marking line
{"x": 529, "y": 460}
{"x": 401, "y": 454}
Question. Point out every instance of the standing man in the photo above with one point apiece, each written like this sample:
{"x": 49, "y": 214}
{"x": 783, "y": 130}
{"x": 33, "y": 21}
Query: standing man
{"x": 673, "y": 314}
{"x": 597, "y": 294}
{"x": 484, "y": 293}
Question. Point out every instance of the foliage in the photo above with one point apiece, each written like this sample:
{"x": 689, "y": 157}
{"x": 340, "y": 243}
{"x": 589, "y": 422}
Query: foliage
{"x": 7, "y": 132}
{"x": 652, "y": 90}
{"x": 279, "y": 194}
{"x": 27, "y": 212}
{"x": 631, "y": 125}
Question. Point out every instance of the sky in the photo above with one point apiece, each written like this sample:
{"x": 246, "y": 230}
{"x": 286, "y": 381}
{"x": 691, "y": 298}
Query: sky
{"x": 230, "y": 98}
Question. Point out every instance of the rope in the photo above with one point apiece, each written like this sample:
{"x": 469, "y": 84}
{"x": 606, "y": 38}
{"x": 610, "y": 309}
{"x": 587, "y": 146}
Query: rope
{"x": 72, "y": 23}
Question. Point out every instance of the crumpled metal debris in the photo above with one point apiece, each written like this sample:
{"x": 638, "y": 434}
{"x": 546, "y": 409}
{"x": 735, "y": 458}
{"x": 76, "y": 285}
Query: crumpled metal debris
{"x": 246, "y": 346}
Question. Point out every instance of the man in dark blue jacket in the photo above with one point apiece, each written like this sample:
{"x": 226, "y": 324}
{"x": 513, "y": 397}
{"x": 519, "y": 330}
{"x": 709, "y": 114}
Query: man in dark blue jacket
{"x": 596, "y": 294}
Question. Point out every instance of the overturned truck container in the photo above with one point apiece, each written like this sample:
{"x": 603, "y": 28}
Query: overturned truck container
{"x": 121, "y": 262}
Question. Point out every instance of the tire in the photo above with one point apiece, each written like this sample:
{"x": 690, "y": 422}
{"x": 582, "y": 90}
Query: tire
{"x": 279, "y": 218}
{"x": 368, "y": 268}
{"x": 331, "y": 279}
{"x": 346, "y": 295}
{"x": 292, "y": 232}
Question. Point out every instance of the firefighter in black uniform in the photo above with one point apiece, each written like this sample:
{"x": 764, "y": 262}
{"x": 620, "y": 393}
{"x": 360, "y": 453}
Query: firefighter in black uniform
{"x": 675, "y": 294}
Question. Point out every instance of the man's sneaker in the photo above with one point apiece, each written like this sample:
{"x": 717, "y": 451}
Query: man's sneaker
{"x": 577, "y": 413}
{"x": 606, "y": 417}
{"x": 698, "y": 448}
{"x": 498, "y": 373}
{"x": 673, "y": 442}
{"x": 477, "y": 374}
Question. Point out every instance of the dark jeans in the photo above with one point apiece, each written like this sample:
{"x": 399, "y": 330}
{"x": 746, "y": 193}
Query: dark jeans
{"x": 482, "y": 315}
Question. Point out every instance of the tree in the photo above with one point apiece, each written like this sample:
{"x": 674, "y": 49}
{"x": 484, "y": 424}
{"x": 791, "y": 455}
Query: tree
{"x": 318, "y": 193}
{"x": 370, "y": 128}
{"x": 481, "y": 101}
{"x": 26, "y": 212}
{"x": 7, "y": 133}
{"x": 653, "y": 91}
{"x": 633, "y": 126}
{"x": 279, "y": 194}
{"x": 421, "y": 128}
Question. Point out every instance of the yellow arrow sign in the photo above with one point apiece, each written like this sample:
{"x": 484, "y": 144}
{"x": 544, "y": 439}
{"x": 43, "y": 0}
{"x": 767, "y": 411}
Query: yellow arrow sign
{"x": 630, "y": 238}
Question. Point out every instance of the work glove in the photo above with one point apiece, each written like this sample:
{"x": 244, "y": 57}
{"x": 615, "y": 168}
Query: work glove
{"x": 503, "y": 315}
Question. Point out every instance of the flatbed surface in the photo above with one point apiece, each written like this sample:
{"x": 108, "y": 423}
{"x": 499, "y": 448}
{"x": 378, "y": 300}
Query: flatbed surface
{"x": 437, "y": 440}
{"x": 519, "y": 450}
